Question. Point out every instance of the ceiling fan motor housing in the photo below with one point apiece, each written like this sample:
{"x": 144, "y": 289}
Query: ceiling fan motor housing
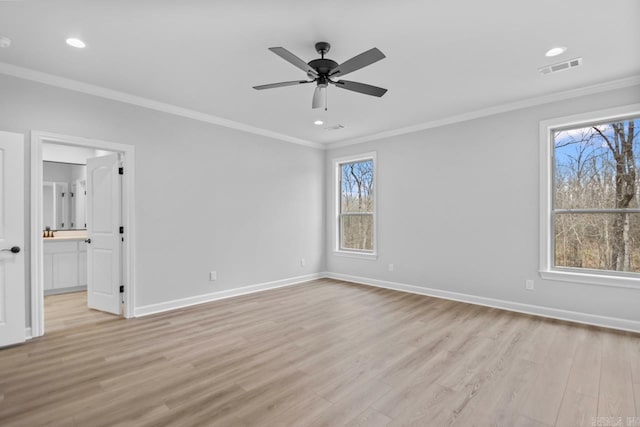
{"x": 323, "y": 66}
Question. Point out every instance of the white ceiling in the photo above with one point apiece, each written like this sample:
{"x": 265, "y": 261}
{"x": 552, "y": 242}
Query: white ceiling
{"x": 444, "y": 57}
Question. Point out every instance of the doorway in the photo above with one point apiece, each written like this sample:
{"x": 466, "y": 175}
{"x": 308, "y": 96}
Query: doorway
{"x": 111, "y": 168}
{"x": 63, "y": 311}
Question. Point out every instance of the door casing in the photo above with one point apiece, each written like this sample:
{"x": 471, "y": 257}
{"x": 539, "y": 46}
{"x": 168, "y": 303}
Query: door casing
{"x": 128, "y": 220}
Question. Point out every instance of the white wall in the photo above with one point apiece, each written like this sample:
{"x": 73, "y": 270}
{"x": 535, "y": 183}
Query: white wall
{"x": 208, "y": 197}
{"x": 56, "y": 172}
{"x": 212, "y": 198}
{"x": 67, "y": 154}
{"x": 458, "y": 211}
{"x": 63, "y": 172}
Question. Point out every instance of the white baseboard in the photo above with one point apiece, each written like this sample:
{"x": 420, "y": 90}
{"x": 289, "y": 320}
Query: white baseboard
{"x": 59, "y": 291}
{"x": 536, "y": 310}
{"x": 201, "y": 299}
{"x": 554, "y": 313}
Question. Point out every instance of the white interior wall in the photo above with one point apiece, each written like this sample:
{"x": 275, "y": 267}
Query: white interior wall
{"x": 207, "y": 197}
{"x": 56, "y": 172}
{"x": 63, "y": 172}
{"x": 458, "y": 211}
{"x": 78, "y": 173}
{"x": 458, "y": 205}
{"x": 67, "y": 153}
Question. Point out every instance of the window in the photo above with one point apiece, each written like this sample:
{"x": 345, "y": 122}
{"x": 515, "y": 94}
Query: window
{"x": 356, "y": 205}
{"x": 592, "y": 222}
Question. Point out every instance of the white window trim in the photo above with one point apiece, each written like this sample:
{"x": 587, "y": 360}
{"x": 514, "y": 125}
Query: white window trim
{"x": 547, "y": 270}
{"x": 336, "y": 217}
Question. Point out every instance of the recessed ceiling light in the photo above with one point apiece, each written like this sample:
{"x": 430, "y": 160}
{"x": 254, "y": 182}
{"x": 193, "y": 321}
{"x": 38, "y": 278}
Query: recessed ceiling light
{"x": 5, "y": 41}
{"x": 556, "y": 51}
{"x": 318, "y": 123}
{"x": 76, "y": 43}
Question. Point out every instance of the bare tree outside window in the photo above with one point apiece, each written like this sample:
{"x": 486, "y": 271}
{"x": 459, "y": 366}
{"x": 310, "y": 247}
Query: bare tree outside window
{"x": 596, "y": 213}
{"x": 356, "y": 206}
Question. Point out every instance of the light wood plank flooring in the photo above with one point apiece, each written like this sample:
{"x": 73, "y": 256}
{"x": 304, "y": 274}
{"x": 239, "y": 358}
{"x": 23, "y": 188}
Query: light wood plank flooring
{"x": 325, "y": 353}
{"x": 64, "y": 311}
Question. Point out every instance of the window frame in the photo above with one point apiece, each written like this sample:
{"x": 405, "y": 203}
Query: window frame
{"x": 547, "y": 241}
{"x": 337, "y": 163}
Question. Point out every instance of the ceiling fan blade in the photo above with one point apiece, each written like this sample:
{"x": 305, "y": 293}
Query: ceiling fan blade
{"x": 291, "y": 58}
{"x": 319, "y": 97}
{"x": 360, "y": 88}
{"x": 357, "y": 62}
{"x": 291, "y": 83}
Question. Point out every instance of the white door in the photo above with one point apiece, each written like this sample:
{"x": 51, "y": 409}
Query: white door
{"x": 104, "y": 200}
{"x": 12, "y": 285}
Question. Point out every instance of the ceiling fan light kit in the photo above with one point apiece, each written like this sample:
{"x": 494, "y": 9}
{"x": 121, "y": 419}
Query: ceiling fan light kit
{"x": 323, "y": 71}
{"x": 319, "y": 97}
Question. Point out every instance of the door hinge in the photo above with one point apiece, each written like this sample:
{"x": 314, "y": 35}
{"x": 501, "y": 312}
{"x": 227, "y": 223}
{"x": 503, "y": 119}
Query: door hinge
{"x": 121, "y": 230}
{"x": 121, "y": 171}
{"x": 121, "y": 288}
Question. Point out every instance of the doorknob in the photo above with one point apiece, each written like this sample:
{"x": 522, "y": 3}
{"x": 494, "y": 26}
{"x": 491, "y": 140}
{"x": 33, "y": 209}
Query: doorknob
{"x": 88, "y": 240}
{"x": 13, "y": 250}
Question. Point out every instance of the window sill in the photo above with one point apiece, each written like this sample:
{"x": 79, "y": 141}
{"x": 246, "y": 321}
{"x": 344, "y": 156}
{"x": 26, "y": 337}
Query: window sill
{"x": 360, "y": 255}
{"x": 591, "y": 278}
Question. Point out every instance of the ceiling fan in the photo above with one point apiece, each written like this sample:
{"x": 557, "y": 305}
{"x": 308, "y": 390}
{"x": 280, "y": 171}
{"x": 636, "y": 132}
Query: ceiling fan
{"x": 323, "y": 72}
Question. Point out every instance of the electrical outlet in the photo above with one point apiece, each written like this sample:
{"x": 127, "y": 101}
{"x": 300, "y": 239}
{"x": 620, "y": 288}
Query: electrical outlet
{"x": 528, "y": 285}
{"x": 303, "y": 262}
{"x": 213, "y": 275}
{"x": 391, "y": 267}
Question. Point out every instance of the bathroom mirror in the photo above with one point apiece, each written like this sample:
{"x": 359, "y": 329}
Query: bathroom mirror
{"x": 64, "y": 195}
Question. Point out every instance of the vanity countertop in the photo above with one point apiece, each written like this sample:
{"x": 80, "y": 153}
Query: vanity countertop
{"x": 63, "y": 238}
{"x": 65, "y": 235}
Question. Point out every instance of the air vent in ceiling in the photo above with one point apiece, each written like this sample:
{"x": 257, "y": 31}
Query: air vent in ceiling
{"x": 561, "y": 66}
{"x": 336, "y": 127}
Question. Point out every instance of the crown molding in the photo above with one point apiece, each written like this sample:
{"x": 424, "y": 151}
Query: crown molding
{"x": 102, "y": 92}
{"x": 503, "y": 108}
{"x": 114, "y": 95}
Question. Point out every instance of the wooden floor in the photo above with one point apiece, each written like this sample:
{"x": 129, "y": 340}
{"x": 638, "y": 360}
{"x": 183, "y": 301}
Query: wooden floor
{"x": 325, "y": 353}
{"x": 70, "y": 310}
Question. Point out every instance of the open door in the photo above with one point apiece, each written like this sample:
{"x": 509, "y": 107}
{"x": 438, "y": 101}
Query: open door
{"x": 12, "y": 284}
{"x": 104, "y": 248}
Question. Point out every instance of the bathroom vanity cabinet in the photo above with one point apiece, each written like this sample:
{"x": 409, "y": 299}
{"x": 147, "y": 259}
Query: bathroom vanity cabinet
{"x": 65, "y": 265}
